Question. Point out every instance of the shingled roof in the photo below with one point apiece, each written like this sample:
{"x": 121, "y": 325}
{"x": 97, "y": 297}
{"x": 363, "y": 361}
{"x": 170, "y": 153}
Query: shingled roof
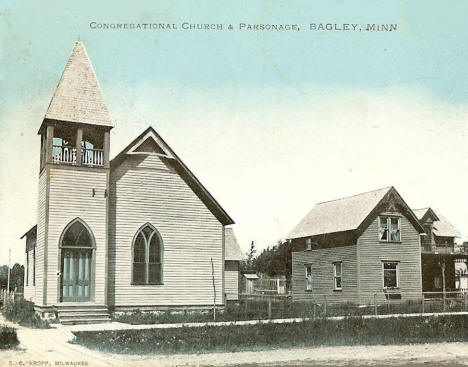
{"x": 345, "y": 214}
{"x": 232, "y": 248}
{"x": 440, "y": 226}
{"x": 78, "y": 96}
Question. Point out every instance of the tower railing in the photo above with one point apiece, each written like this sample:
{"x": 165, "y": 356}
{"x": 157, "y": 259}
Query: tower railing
{"x": 63, "y": 154}
{"x": 67, "y": 154}
{"x": 92, "y": 157}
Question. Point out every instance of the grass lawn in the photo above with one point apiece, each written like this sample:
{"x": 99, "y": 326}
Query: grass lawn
{"x": 320, "y": 332}
{"x": 22, "y": 312}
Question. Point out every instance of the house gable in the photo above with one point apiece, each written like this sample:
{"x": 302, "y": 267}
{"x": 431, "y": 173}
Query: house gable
{"x": 392, "y": 202}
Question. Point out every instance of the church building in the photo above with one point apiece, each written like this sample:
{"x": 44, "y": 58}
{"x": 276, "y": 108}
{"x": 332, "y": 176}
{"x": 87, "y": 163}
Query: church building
{"x": 136, "y": 232}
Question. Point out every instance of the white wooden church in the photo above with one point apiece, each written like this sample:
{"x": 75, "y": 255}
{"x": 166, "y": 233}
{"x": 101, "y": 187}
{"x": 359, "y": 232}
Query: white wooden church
{"x": 136, "y": 232}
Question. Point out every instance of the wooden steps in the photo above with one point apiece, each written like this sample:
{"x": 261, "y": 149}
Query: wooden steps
{"x": 82, "y": 313}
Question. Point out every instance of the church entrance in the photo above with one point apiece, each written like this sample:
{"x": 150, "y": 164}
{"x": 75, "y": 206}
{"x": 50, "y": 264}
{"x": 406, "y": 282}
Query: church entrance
{"x": 76, "y": 263}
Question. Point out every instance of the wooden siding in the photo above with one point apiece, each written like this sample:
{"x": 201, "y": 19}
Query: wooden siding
{"x": 41, "y": 236}
{"x": 144, "y": 188}
{"x": 71, "y": 196}
{"x": 371, "y": 254}
{"x": 322, "y": 261}
{"x": 231, "y": 280}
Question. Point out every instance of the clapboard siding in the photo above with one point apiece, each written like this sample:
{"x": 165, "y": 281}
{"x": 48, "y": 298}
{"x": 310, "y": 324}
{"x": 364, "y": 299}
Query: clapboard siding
{"x": 41, "y": 236}
{"x": 143, "y": 189}
{"x": 70, "y": 196}
{"x": 372, "y": 253}
{"x": 231, "y": 280}
{"x": 322, "y": 261}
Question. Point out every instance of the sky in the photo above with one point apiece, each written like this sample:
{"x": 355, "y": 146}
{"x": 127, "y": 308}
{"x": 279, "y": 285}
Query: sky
{"x": 271, "y": 122}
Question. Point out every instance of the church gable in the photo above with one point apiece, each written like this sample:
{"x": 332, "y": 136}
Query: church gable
{"x": 150, "y": 151}
{"x": 149, "y": 146}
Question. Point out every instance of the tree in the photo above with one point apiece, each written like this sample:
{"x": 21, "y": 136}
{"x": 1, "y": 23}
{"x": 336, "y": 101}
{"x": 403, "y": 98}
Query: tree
{"x": 248, "y": 264}
{"x": 16, "y": 277}
{"x": 277, "y": 260}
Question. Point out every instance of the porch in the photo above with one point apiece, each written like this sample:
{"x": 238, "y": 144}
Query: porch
{"x": 441, "y": 270}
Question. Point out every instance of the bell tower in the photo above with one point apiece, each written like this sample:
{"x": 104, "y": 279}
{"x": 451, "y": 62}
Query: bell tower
{"x": 72, "y": 232}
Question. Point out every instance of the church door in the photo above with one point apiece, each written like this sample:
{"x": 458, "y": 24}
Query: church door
{"x": 76, "y": 264}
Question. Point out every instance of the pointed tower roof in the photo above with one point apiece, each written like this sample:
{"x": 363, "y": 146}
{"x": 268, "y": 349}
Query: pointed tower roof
{"x": 78, "y": 96}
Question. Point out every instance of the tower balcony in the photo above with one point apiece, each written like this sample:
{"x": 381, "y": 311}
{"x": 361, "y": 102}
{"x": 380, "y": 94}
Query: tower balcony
{"x": 62, "y": 154}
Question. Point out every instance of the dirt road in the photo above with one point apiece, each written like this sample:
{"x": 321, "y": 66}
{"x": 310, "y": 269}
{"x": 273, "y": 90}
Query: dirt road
{"x": 51, "y": 347}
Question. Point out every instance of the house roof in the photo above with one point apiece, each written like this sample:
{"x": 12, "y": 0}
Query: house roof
{"x": 232, "y": 248}
{"x": 443, "y": 228}
{"x": 422, "y": 213}
{"x": 168, "y": 154}
{"x": 345, "y": 214}
{"x": 78, "y": 96}
{"x": 251, "y": 276}
{"x": 440, "y": 226}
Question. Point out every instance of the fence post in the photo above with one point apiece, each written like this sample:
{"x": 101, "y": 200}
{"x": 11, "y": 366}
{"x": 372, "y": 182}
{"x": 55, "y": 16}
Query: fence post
{"x": 375, "y": 304}
{"x": 422, "y": 302}
{"x": 245, "y": 308}
{"x": 314, "y": 310}
{"x": 269, "y": 308}
{"x": 325, "y": 305}
{"x": 388, "y": 303}
{"x": 466, "y": 301}
{"x": 445, "y": 303}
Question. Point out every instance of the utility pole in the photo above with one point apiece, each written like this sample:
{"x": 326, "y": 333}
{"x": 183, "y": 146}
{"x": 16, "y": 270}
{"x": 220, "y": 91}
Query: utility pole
{"x": 214, "y": 290}
{"x": 8, "y": 276}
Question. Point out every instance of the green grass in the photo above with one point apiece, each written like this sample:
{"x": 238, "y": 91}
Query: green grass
{"x": 320, "y": 332}
{"x": 8, "y": 337}
{"x": 23, "y": 313}
{"x": 284, "y": 308}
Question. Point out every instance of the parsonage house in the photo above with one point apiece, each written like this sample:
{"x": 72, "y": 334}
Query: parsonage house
{"x": 372, "y": 245}
{"x": 136, "y": 232}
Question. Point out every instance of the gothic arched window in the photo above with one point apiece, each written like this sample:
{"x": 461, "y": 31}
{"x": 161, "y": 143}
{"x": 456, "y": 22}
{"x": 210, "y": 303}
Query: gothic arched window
{"x": 147, "y": 256}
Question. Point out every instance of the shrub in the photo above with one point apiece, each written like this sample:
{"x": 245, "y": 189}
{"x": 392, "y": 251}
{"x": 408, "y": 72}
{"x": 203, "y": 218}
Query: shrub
{"x": 8, "y": 337}
{"x": 23, "y": 313}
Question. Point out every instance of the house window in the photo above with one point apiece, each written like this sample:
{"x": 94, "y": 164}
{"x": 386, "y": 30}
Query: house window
{"x": 389, "y": 229}
{"x": 390, "y": 274}
{"x": 337, "y": 268}
{"x": 309, "y": 244}
{"x": 308, "y": 271}
{"x": 147, "y": 256}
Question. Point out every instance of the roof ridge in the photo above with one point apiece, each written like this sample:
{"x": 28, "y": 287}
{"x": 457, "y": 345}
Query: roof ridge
{"x": 351, "y": 196}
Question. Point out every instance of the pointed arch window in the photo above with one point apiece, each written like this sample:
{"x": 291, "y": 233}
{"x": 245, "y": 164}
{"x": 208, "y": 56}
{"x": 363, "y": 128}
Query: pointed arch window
{"x": 147, "y": 256}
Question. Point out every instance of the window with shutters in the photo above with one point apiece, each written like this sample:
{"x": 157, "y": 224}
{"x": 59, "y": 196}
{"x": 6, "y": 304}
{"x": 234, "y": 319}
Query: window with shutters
{"x": 147, "y": 256}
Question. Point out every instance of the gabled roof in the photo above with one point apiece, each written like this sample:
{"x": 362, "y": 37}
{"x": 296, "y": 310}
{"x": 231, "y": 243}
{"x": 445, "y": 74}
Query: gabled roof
{"x": 168, "y": 154}
{"x": 423, "y": 213}
{"x": 232, "y": 248}
{"x": 345, "y": 214}
{"x": 440, "y": 226}
{"x": 78, "y": 96}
